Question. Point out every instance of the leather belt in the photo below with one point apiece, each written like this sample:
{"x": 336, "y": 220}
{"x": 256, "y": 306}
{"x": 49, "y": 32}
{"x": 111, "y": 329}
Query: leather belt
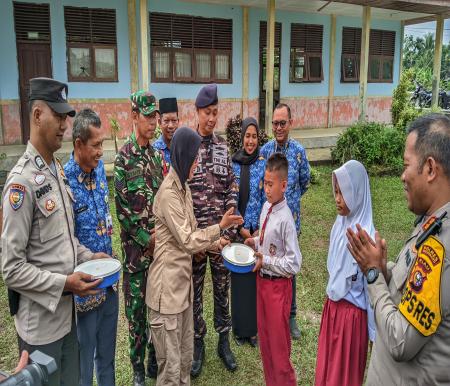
{"x": 270, "y": 277}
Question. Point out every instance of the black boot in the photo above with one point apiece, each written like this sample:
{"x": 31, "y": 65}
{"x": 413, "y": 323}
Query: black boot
{"x": 199, "y": 357}
{"x": 295, "y": 330}
{"x": 152, "y": 365}
{"x": 139, "y": 377}
{"x": 225, "y": 353}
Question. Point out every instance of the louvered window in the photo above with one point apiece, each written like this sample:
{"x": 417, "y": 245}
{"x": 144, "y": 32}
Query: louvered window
{"x": 381, "y": 55}
{"x": 91, "y": 44}
{"x": 306, "y": 53}
{"x": 190, "y": 49}
{"x": 32, "y": 22}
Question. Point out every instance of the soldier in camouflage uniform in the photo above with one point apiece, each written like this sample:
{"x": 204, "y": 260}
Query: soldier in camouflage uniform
{"x": 137, "y": 177}
{"x": 213, "y": 191}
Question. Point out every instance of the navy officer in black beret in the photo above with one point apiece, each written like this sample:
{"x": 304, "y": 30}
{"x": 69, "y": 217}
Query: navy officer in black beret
{"x": 214, "y": 191}
{"x": 40, "y": 250}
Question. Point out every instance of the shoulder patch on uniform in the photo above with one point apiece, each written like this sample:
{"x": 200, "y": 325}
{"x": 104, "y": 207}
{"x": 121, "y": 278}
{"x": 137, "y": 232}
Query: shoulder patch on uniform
{"x": 16, "y": 196}
{"x": 421, "y": 300}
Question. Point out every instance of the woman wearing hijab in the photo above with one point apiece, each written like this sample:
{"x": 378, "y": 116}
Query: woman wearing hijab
{"x": 347, "y": 318}
{"x": 248, "y": 168}
{"x": 169, "y": 285}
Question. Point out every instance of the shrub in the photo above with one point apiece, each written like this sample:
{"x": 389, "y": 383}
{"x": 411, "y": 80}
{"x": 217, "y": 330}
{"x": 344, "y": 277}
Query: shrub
{"x": 401, "y": 97}
{"x": 315, "y": 176}
{"x": 378, "y": 146}
{"x": 233, "y": 132}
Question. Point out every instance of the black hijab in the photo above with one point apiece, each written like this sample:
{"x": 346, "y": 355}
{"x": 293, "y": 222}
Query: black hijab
{"x": 183, "y": 150}
{"x": 245, "y": 160}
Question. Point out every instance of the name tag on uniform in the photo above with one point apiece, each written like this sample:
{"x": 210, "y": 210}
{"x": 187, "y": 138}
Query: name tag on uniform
{"x": 420, "y": 303}
{"x": 81, "y": 209}
{"x": 133, "y": 173}
{"x": 220, "y": 170}
{"x": 220, "y": 160}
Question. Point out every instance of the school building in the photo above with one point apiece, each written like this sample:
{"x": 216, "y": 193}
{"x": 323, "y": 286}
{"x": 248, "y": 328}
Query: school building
{"x": 333, "y": 62}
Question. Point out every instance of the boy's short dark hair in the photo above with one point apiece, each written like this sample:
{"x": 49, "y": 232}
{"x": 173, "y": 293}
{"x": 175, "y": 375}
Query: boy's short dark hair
{"x": 278, "y": 162}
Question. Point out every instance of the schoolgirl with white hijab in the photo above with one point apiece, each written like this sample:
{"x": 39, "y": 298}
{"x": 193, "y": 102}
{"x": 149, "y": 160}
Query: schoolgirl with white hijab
{"x": 347, "y": 318}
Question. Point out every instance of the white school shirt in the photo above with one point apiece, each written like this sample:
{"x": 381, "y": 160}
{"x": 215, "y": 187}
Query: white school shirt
{"x": 280, "y": 249}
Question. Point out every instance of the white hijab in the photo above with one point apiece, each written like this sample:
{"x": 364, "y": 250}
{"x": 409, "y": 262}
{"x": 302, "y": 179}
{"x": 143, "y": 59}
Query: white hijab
{"x": 354, "y": 185}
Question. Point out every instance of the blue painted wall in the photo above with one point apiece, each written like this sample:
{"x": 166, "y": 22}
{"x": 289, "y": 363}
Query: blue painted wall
{"x": 315, "y": 89}
{"x": 121, "y": 89}
{"x": 189, "y": 91}
{"x": 9, "y": 76}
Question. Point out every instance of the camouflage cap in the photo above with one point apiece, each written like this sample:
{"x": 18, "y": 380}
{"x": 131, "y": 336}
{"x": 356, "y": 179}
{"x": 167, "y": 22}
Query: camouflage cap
{"x": 143, "y": 101}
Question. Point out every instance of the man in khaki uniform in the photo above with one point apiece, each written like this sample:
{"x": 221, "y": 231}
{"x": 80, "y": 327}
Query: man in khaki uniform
{"x": 40, "y": 250}
{"x": 411, "y": 297}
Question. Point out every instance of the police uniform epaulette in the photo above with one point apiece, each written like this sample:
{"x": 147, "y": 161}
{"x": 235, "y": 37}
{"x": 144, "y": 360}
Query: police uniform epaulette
{"x": 20, "y": 165}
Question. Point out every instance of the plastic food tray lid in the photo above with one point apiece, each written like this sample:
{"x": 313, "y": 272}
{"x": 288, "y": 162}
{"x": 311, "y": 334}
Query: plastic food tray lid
{"x": 100, "y": 268}
{"x": 238, "y": 254}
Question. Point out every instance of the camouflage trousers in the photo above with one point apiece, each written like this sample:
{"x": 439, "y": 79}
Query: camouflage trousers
{"x": 221, "y": 286}
{"x": 134, "y": 289}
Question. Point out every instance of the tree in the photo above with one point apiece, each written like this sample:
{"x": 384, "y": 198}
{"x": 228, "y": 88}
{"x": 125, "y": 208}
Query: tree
{"x": 418, "y": 55}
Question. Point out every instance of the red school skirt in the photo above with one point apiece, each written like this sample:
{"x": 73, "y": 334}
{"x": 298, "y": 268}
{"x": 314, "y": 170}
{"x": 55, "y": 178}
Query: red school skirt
{"x": 342, "y": 349}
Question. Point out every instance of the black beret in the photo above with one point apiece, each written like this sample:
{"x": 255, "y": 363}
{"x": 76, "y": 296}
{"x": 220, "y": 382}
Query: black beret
{"x": 207, "y": 96}
{"x": 54, "y": 93}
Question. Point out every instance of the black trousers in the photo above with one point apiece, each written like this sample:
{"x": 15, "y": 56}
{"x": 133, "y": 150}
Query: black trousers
{"x": 243, "y": 304}
{"x": 66, "y": 355}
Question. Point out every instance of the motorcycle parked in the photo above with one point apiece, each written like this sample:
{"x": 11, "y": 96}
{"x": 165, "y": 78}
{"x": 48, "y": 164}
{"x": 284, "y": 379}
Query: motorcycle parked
{"x": 421, "y": 97}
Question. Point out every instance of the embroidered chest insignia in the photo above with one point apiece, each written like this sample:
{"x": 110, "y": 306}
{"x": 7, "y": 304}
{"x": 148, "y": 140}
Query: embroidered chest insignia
{"x": 39, "y": 178}
{"x": 273, "y": 249}
{"x": 39, "y": 162}
{"x": 421, "y": 300}
{"x": 16, "y": 196}
{"x": 50, "y": 204}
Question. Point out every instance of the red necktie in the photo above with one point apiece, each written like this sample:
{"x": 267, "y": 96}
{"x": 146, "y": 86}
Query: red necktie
{"x": 263, "y": 229}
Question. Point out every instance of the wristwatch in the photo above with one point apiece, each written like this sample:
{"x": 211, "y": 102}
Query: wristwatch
{"x": 372, "y": 275}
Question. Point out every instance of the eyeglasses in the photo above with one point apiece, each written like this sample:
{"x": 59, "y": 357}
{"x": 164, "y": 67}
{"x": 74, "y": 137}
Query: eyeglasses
{"x": 282, "y": 124}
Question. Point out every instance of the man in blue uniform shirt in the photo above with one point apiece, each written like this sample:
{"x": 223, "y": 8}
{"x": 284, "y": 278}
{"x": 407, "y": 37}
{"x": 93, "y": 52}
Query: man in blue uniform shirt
{"x": 97, "y": 314}
{"x": 298, "y": 179}
{"x": 168, "y": 122}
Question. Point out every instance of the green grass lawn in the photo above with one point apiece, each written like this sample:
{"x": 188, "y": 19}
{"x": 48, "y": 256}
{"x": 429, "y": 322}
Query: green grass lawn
{"x": 391, "y": 218}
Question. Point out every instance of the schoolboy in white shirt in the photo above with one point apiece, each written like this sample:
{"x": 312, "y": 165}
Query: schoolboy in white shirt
{"x": 278, "y": 258}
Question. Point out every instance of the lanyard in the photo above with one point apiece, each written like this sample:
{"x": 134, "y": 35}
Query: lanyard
{"x": 263, "y": 229}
